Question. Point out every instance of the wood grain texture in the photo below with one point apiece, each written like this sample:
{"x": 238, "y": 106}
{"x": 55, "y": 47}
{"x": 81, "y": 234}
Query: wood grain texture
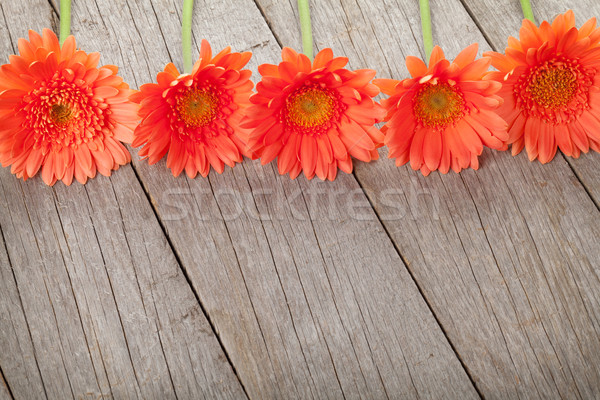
{"x": 306, "y": 305}
{"x": 93, "y": 301}
{"x": 104, "y": 298}
{"x": 107, "y": 307}
{"x": 22, "y": 368}
{"x": 499, "y": 20}
{"x": 501, "y": 254}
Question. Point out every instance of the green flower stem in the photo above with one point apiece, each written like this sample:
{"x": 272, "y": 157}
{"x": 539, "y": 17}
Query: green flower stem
{"x": 307, "y": 37}
{"x": 527, "y": 11}
{"x": 65, "y": 20}
{"x": 426, "y": 28}
{"x": 186, "y": 35}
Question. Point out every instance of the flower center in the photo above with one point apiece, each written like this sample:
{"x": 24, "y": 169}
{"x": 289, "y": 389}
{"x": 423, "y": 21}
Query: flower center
{"x": 61, "y": 113}
{"x": 199, "y": 110}
{"x": 553, "y": 86}
{"x": 197, "y": 107}
{"x": 64, "y": 114}
{"x": 555, "y": 91}
{"x": 438, "y": 105}
{"x": 310, "y": 107}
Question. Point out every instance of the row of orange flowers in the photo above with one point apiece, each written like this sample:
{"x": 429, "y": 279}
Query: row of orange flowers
{"x": 62, "y": 114}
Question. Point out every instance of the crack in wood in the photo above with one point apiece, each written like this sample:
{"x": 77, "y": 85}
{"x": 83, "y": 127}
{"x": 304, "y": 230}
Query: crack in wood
{"x": 4, "y": 386}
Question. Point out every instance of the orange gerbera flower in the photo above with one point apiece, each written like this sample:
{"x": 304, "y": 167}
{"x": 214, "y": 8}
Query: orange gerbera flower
{"x": 443, "y": 116}
{"x": 61, "y": 113}
{"x": 195, "y": 117}
{"x": 314, "y": 118}
{"x": 551, "y": 88}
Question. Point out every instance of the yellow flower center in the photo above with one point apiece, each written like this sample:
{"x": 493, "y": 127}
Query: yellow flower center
{"x": 198, "y": 107}
{"x": 310, "y": 107}
{"x": 556, "y": 90}
{"x": 61, "y": 114}
{"x": 438, "y": 105}
{"x": 64, "y": 114}
{"x": 553, "y": 86}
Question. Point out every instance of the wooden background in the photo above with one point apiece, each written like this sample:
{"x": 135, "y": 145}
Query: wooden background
{"x": 382, "y": 284}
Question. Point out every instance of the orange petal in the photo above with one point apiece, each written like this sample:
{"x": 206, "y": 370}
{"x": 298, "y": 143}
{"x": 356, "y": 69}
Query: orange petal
{"x": 532, "y": 132}
{"x": 352, "y": 134}
{"x": 50, "y": 41}
{"x": 308, "y": 154}
{"x": 416, "y": 67}
{"x": 432, "y": 149}
{"x": 83, "y": 158}
{"x": 205, "y": 51}
{"x": 467, "y": 55}
{"x": 322, "y": 58}
{"x": 34, "y": 162}
{"x": 68, "y": 48}
{"x": 416, "y": 149}
{"x": 469, "y": 138}
{"x": 387, "y": 86}
{"x": 563, "y": 139}
{"x": 437, "y": 55}
{"x": 288, "y": 54}
{"x": 268, "y": 70}
{"x": 546, "y": 143}
{"x": 48, "y": 170}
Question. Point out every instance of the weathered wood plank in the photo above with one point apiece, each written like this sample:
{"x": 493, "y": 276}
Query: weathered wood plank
{"x": 306, "y": 305}
{"x": 24, "y": 374}
{"x": 498, "y": 20}
{"x": 7, "y": 308}
{"x": 587, "y": 171}
{"x": 107, "y": 309}
{"x": 44, "y": 290}
{"x": 503, "y": 254}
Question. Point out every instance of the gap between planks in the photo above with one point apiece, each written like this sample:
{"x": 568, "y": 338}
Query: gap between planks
{"x": 4, "y": 387}
{"x": 37, "y": 365}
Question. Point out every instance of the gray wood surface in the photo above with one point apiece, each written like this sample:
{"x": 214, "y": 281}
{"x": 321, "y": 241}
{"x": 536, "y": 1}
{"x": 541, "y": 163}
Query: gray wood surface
{"x": 382, "y": 284}
{"x": 505, "y": 256}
